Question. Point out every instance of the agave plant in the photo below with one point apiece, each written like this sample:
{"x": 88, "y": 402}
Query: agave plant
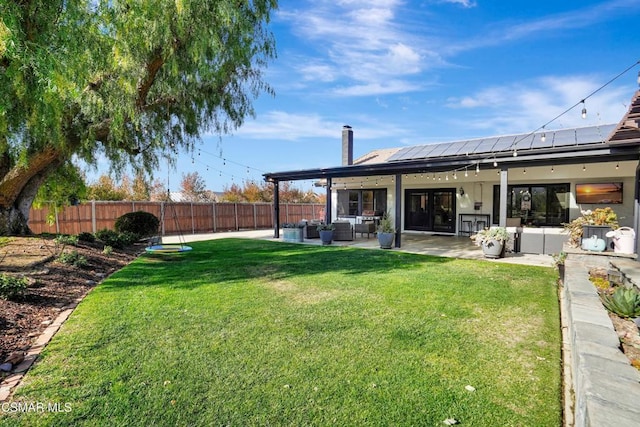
{"x": 624, "y": 302}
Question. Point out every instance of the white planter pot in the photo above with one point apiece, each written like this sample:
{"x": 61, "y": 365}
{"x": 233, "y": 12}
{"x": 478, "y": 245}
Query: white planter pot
{"x": 492, "y": 248}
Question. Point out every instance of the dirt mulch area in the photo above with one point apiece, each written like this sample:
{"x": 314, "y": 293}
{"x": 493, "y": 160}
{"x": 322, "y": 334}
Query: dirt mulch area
{"x": 52, "y": 285}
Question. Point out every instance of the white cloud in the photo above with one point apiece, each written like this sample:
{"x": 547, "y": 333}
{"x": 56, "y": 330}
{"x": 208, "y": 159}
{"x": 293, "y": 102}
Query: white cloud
{"x": 525, "y": 107}
{"x": 363, "y": 44}
{"x": 285, "y": 126}
{"x": 464, "y": 3}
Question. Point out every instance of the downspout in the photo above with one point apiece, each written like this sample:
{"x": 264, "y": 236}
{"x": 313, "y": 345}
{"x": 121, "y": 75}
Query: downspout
{"x": 276, "y": 209}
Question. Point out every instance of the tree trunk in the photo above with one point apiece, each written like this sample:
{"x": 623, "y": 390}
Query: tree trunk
{"x": 13, "y": 222}
{"x": 18, "y": 194}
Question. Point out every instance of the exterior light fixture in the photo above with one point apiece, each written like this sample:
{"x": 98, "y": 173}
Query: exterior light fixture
{"x": 461, "y": 191}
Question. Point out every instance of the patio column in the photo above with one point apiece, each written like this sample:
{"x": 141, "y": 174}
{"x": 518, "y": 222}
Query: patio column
{"x": 504, "y": 179}
{"x": 276, "y": 209}
{"x": 398, "y": 213}
{"x": 327, "y": 209}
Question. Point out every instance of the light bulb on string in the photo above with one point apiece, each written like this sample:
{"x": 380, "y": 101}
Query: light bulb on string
{"x": 477, "y": 168}
{"x": 584, "y": 110}
{"x": 524, "y": 171}
{"x": 515, "y": 152}
{"x": 584, "y": 168}
{"x": 617, "y": 165}
{"x": 551, "y": 169}
{"x": 543, "y": 137}
{"x": 447, "y": 177}
{"x": 455, "y": 176}
{"x": 466, "y": 173}
{"x": 495, "y": 162}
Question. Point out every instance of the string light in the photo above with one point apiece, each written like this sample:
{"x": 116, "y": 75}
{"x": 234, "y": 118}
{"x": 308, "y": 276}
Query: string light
{"x": 617, "y": 165}
{"x": 551, "y": 169}
{"x": 584, "y": 110}
{"x": 543, "y": 137}
{"x": 466, "y": 172}
{"x": 584, "y": 168}
{"x": 477, "y": 168}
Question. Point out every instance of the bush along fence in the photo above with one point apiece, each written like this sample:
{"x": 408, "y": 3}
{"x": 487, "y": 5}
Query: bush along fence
{"x": 176, "y": 217}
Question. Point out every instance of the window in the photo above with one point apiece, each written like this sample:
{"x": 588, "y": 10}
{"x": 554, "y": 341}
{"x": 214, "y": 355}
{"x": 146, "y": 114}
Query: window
{"x": 534, "y": 204}
{"x": 354, "y": 202}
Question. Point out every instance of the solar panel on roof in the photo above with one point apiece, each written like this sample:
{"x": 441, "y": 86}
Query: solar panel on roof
{"x": 438, "y": 149}
{"x": 480, "y": 146}
{"x": 504, "y": 143}
{"x": 564, "y": 137}
{"x": 524, "y": 143}
{"x": 454, "y": 148}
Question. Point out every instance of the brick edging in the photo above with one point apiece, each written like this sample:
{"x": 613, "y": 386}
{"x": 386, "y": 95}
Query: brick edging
{"x": 10, "y": 383}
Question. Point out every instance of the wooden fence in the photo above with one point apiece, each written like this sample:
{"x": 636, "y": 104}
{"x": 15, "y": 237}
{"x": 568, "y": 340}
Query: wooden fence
{"x": 176, "y": 218}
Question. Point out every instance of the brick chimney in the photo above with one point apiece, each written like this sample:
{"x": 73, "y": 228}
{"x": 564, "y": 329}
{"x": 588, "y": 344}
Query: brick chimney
{"x": 347, "y": 145}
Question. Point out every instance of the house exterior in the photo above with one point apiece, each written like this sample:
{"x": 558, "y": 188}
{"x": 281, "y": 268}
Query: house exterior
{"x": 539, "y": 180}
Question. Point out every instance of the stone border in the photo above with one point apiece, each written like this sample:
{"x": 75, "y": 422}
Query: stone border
{"x": 9, "y": 384}
{"x": 605, "y": 387}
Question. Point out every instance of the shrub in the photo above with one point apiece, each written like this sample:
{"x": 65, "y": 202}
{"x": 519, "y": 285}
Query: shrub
{"x": 144, "y": 224}
{"x": 110, "y": 238}
{"x": 12, "y": 286}
{"x": 73, "y": 258}
{"x": 107, "y": 250}
{"x": 117, "y": 240}
{"x": 86, "y": 237}
{"x": 65, "y": 239}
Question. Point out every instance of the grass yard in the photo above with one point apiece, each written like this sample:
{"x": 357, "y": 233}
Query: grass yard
{"x": 248, "y": 332}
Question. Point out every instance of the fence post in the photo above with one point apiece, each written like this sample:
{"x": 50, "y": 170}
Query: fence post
{"x": 162, "y": 216}
{"x": 235, "y": 209}
{"x": 193, "y": 221}
{"x": 286, "y": 212}
{"x": 93, "y": 217}
{"x": 255, "y": 217}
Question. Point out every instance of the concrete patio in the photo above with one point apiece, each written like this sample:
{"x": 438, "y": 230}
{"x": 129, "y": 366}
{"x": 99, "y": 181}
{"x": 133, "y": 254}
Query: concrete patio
{"x": 418, "y": 243}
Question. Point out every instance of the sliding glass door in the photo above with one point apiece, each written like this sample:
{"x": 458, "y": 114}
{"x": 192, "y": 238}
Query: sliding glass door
{"x": 430, "y": 210}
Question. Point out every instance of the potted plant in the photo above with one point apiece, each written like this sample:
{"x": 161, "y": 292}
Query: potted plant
{"x": 386, "y": 232}
{"x": 492, "y": 241}
{"x": 326, "y": 233}
{"x": 558, "y": 262}
{"x": 591, "y": 223}
{"x": 292, "y": 232}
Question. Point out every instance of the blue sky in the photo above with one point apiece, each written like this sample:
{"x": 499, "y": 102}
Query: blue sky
{"x": 418, "y": 72}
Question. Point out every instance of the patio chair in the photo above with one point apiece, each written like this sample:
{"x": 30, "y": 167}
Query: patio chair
{"x": 365, "y": 227}
{"x": 343, "y": 230}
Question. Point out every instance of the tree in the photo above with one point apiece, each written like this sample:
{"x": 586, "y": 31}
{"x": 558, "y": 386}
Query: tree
{"x": 125, "y": 81}
{"x": 159, "y": 191}
{"x": 105, "y": 189}
{"x": 140, "y": 188}
{"x": 193, "y": 188}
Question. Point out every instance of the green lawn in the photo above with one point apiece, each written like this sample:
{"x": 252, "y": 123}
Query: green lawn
{"x": 247, "y": 332}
